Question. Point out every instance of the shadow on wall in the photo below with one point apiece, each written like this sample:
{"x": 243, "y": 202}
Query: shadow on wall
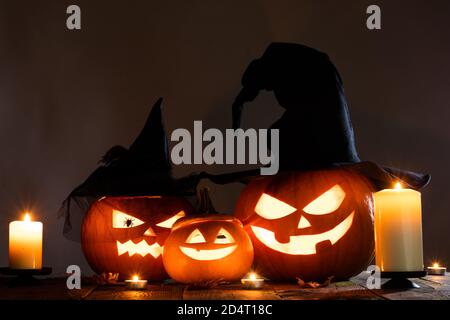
{"x": 67, "y": 97}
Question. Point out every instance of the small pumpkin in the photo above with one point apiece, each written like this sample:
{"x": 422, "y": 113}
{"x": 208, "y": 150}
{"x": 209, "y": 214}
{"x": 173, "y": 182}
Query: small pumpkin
{"x": 126, "y": 235}
{"x": 210, "y": 248}
{"x": 309, "y": 224}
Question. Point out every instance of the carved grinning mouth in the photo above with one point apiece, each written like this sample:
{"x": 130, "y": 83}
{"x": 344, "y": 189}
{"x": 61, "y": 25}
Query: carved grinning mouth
{"x": 303, "y": 244}
{"x": 206, "y": 255}
{"x": 142, "y": 248}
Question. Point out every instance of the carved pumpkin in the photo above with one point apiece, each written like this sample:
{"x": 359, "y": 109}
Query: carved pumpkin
{"x": 311, "y": 224}
{"x": 126, "y": 235}
{"x": 210, "y": 248}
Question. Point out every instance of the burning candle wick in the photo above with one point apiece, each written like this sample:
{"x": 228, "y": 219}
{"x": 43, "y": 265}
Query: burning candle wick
{"x": 436, "y": 270}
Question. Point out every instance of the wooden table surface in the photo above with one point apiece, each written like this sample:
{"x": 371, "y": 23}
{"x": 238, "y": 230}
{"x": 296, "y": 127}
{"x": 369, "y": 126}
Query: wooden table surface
{"x": 431, "y": 288}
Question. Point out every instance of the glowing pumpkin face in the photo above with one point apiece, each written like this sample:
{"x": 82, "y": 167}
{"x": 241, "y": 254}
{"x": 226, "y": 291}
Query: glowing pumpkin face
{"x": 210, "y": 248}
{"x": 126, "y": 235}
{"x": 310, "y": 225}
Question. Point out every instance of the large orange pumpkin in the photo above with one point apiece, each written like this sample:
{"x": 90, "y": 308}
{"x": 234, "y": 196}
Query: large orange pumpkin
{"x": 210, "y": 248}
{"x": 310, "y": 225}
{"x": 126, "y": 235}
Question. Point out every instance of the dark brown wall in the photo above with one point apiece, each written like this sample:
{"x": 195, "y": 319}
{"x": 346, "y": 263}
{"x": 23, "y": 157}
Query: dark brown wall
{"x": 67, "y": 96}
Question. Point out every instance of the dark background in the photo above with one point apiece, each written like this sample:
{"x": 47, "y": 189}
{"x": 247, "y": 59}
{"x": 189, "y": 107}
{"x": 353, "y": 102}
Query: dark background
{"x": 67, "y": 96}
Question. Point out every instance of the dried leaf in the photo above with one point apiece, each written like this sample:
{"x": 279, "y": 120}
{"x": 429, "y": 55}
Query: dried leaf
{"x": 207, "y": 284}
{"x": 313, "y": 284}
{"x": 106, "y": 278}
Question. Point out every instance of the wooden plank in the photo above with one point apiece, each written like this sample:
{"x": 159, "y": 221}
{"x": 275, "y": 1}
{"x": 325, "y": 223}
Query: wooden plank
{"x": 218, "y": 294}
{"x": 230, "y": 292}
{"x": 336, "y": 291}
{"x": 42, "y": 289}
{"x": 427, "y": 290}
{"x": 153, "y": 292}
{"x": 432, "y": 287}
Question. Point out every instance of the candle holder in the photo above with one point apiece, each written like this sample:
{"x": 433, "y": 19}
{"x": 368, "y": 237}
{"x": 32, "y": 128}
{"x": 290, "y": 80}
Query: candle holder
{"x": 136, "y": 284}
{"x": 436, "y": 271}
{"x": 252, "y": 282}
{"x": 400, "y": 280}
{"x": 25, "y": 276}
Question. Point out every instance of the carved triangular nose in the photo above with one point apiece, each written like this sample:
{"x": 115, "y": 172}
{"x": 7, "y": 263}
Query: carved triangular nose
{"x": 149, "y": 232}
{"x": 303, "y": 223}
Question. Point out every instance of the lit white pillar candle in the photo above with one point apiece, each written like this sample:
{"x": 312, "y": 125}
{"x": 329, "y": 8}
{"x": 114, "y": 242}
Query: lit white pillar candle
{"x": 25, "y": 244}
{"x": 398, "y": 230}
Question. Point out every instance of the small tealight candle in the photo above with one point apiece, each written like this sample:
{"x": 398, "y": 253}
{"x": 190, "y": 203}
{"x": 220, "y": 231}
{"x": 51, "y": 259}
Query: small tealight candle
{"x": 252, "y": 281}
{"x": 136, "y": 283}
{"x": 436, "y": 270}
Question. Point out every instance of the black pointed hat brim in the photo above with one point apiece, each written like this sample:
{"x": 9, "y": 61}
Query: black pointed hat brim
{"x": 380, "y": 177}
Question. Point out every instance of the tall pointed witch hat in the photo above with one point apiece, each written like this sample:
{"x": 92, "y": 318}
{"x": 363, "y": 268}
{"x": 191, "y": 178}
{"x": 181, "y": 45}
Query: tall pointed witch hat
{"x": 142, "y": 169}
{"x": 315, "y": 129}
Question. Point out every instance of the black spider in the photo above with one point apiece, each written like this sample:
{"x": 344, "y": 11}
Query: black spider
{"x": 128, "y": 222}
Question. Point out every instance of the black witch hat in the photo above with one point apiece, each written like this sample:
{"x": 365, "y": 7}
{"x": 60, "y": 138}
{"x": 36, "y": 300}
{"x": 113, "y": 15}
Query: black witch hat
{"x": 142, "y": 169}
{"x": 315, "y": 129}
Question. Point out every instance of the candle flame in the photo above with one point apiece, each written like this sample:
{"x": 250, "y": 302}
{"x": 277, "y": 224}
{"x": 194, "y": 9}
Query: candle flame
{"x": 252, "y": 276}
{"x": 435, "y": 265}
{"x": 135, "y": 278}
{"x": 398, "y": 186}
{"x": 27, "y": 217}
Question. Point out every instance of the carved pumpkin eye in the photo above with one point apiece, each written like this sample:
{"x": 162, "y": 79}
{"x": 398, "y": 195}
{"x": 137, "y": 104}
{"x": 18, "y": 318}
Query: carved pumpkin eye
{"x": 169, "y": 222}
{"x": 224, "y": 237}
{"x": 327, "y": 202}
{"x": 271, "y": 208}
{"x": 123, "y": 220}
{"x": 196, "y": 237}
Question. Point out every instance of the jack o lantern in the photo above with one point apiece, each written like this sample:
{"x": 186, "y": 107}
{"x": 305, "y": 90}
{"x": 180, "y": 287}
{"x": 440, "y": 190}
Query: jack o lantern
{"x": 210, "y": 248}
{"x": 310, "y": 224}
{"x": 126, "y": 235}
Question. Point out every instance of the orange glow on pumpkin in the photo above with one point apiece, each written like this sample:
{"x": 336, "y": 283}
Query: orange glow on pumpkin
{"x": 271, "y": 208}
{"x": 303, "y": 244}
{"x": 327, "y": 202}
{"x": 208, "y": 254}
{"x": 123, "y": 220}
{"x": 223, "y": 237}
{"x": 142, "y": 248}
{"x": 207, "y": 248}
{"x": 169, "y": 222}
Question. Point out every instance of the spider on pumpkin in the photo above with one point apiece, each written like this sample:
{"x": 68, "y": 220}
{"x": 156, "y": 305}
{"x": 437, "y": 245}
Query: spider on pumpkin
{"x": 128, "y": 222}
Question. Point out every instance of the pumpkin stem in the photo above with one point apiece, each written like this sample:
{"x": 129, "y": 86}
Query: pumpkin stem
{"x": 205, "y": 205}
